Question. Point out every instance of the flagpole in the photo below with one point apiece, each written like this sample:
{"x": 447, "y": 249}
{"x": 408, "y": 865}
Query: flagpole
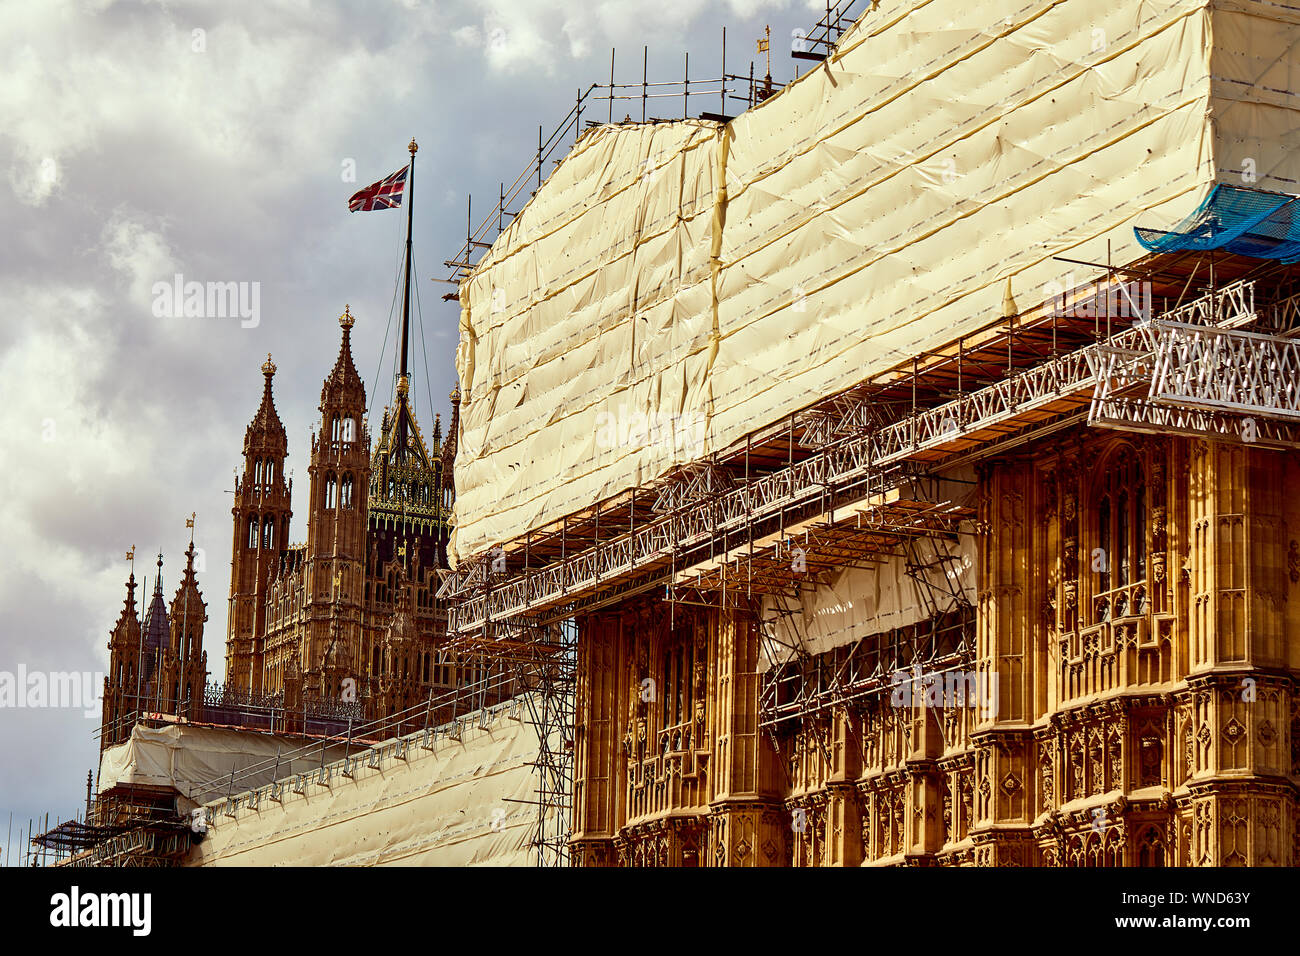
{"x": 403, "y": 379}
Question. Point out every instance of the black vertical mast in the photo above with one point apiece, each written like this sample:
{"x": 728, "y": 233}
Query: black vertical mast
{"x": 403, "y": 380}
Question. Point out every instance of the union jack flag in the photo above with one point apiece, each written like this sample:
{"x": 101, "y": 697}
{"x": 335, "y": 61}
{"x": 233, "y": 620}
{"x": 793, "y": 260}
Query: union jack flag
{"x": 385, "y": 194}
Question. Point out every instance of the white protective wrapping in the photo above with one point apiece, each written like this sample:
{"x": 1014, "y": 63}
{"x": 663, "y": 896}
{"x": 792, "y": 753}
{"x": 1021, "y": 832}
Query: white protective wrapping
{"x": 860, "y": 601}
{"x": 197, "y": 761}
{"x": 636, "y": 315}
{"x": 462, "y": 803}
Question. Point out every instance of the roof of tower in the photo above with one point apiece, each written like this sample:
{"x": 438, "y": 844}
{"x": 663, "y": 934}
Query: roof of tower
{"x": 449, "y": 446}
{"x": 343, "y": 383}
{"x": 156, "y": 634}
{"x": 266, "y": 423}
{"x": 416, "y": 452}
{"x": 188, "y": 601}
{"x": 127, "y": 629}
{"x": 396, "y": 465}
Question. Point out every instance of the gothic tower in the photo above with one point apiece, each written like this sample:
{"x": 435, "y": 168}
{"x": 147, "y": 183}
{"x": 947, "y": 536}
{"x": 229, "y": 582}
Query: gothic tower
{"x": 184, "y": 670}
{"x": 261, "y": 512}
{"x": 156, "y": 641}
{"x": 408, "y": 542}
{"x": 336, "y": 527}
{"x": 447, "y": 464}
{"x": 123, "y": 661}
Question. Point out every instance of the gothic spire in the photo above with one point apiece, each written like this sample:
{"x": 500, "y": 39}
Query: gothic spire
{"x": 155, "y": 621}
{"x": 188, "y": 600}
{"x": 188, "y": 611}
{"x": 449, "y": 446}
{"x": 266, "y": 423}
{"x": 343, "y": 385}
{"x": 126, "y": 633}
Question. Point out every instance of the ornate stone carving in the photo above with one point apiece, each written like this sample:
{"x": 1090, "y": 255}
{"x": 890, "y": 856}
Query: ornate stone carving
{"x": 1047, "y": 771}
{"x": 1010, "y": 784}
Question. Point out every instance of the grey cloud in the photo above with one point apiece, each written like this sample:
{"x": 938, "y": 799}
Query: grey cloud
{"x": 226, "y": 166}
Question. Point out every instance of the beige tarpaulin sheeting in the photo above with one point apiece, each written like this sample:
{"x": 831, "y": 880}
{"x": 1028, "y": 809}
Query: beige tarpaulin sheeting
{"x": 637, "y": 315}
{"x": 457, "y": 803}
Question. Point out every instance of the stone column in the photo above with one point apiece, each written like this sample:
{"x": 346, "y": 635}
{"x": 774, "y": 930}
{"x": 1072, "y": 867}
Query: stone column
{"x": 1008, "y": 614}
{"x": 749, "y": 825}
{"x": 599, "y": 761}
{"x": 843, "y": 809}
{"x": 1243, "y": 806}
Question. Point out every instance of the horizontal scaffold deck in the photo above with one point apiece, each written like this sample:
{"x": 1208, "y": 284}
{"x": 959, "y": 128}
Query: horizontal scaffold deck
{"x": 854, "y": 484}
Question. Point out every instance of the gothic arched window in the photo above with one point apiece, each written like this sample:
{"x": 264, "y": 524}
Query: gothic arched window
{"x": 1119, "y": 550}
{"x": 1150, "y": 761}
{"x": 347, "y": 428}
{"x": 331, "y": 491}
{"x": 1151, "y": 848}
{"x": 346, "y": 491}
{"x": 252, "y": 532}
{"x": 334, "y": 428}
{"x": 268, "y": 533}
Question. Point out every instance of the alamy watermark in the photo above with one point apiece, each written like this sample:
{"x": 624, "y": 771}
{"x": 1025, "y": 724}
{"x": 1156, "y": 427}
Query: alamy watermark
{"x": 661, "y": 430}
{"x": 918, "y": 688}
{"x": 1119, "y": 300}
{"x": 41, "y": 690}
{"x": 75, "y": 908}
{"x": 179, "y": 299}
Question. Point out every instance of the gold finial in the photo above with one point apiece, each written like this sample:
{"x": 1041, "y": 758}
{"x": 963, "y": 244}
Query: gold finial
{"x": 268, "y": 367}
{"x": 455, "y": 395}
{"x": 130, "y": 555}
{"x": 413, "y": 147}
{"x": 346, "y": 320}
{"x": 403, "y": 384}
{"x": 765, "y": 46}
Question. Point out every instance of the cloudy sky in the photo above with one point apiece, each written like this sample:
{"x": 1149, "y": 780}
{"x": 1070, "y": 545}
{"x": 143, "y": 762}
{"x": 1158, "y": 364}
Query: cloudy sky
{"x": 140, "y": 141}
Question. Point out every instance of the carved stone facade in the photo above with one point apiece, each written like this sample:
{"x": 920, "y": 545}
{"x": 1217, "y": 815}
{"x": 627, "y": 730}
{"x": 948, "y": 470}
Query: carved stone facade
{"x": 1135, "y": 600}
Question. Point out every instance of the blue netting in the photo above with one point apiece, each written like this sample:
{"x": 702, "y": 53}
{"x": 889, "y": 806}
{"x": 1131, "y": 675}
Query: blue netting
{"x": 1246, "y": 222}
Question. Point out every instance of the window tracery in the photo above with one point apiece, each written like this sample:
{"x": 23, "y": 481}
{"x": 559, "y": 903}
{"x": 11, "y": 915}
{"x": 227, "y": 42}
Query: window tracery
{"x": 1119, "y": 555}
